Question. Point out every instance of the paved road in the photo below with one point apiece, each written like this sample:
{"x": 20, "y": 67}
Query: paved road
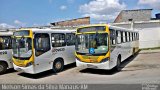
{"x": 142, "y": 68}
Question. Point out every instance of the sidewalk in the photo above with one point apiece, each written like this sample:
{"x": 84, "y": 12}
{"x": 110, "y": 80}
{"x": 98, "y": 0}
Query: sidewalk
{"x": 150, "y": 51}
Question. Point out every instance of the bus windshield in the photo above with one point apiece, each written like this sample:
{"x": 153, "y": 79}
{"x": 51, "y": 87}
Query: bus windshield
{"x": 22, "y": 48}
{"x": 96, "y": 43}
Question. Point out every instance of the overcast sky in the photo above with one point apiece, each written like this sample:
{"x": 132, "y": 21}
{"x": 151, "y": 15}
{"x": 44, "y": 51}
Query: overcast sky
{"x": 17, "y": 13}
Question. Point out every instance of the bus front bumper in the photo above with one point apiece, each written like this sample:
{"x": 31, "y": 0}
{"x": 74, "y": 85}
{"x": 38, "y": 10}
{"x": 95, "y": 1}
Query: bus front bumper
{"x": 104, "y": 65}
{"x": 29, "y": 69}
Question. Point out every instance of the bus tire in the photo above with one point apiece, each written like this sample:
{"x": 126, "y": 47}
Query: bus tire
{"x": 118, "y": 66}
{"x": 58, "y": 65}
{"x": 3, "y": 67}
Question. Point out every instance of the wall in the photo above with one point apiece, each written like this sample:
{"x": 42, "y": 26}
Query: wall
{"x": 138, "y": 15}
{"x": 149, "y": 37}
{"x": 73, "y": 22}
{"x": 134, "y": 15}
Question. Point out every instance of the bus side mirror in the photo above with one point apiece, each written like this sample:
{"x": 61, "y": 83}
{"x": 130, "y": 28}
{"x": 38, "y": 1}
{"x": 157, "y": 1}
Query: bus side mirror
{"x": 34, "y": 43}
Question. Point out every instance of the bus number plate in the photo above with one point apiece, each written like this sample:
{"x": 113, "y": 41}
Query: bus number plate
{"x": 91, "y": 66}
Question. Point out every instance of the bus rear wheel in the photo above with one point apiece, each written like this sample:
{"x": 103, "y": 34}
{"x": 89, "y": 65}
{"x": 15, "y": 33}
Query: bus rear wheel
{"x": 58, "y": 65}
{"x": 3, "y": 67}
{"x": 118, "y": 66}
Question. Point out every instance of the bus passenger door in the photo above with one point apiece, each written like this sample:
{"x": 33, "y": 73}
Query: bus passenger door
{"x": 70, "y": 47}
{"x": 42, "y": 52}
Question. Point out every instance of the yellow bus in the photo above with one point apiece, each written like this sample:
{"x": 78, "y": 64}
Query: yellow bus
{"x": 37, "y": 50}
{"x": 5, "y": 50}
{"x": 102, "y": 46}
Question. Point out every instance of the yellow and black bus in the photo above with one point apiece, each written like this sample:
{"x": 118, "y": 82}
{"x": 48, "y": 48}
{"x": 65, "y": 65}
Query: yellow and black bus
{"x": 103, "y": 46}
{"x": 37, "y": 50}
{"x": 5, "y": 50}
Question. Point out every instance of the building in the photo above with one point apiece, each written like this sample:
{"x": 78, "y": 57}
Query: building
{"x": 73, "y": 22}
{"x": 134, "y": 15}
{"x": 157, "y": 17}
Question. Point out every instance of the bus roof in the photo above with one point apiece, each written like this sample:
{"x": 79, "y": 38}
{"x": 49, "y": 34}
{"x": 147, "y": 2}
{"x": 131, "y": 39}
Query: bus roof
{"x": 110, "y": 26}
{"x": 50, "y": 30}
{"x": 124, "y": 29}
{"x": 6, "y": 33}
{"x": 92, "y": 25}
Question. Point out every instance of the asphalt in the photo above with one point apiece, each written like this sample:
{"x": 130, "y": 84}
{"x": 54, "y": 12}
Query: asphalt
{"x": 140, "y": 69}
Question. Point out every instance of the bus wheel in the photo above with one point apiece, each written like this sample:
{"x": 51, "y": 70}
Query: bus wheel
{"x": 58, "y": 65}
{"x": 118, "y": 66}
{"x": 3, "y": 67}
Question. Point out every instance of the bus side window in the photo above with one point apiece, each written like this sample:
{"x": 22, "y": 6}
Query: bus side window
{"x": 134, "y": 36}
{"x": 122, "y": 40}
{"x": 131, "y": 36}
{"x": 125, "y": 36}
{"x": 128, "y": 37}
{"x": 58, "y": 39}
{"x": 70, "y": 39}
{"x": 113, "y": 36}
{"x": 118, "y": 34}
{"x": 42, "y": 43}
{"x": 1, "y": 40}
{"x": 138, "y": 36}
{"x": 5, "y": 42}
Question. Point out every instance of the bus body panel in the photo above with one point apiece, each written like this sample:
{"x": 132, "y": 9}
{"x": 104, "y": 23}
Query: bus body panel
{"x": 45, "y": 62}
{"x": 6, "y": 56}
{"x": 93, "y": 65}
{"x": 29, "y": 69}
{"x": 123, "y": 49}
{"x": 69, "y": 53}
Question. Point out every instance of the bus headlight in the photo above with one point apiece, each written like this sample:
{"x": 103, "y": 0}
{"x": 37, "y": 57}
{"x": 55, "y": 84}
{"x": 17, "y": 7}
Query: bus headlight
{"x": 29, "y": 64}
{"x": 77, "y": 58}
{"x": 104, "y": 60}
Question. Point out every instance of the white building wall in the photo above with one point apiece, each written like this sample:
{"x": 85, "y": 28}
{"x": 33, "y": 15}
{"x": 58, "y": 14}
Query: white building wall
{"x": 149, "y": 37}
